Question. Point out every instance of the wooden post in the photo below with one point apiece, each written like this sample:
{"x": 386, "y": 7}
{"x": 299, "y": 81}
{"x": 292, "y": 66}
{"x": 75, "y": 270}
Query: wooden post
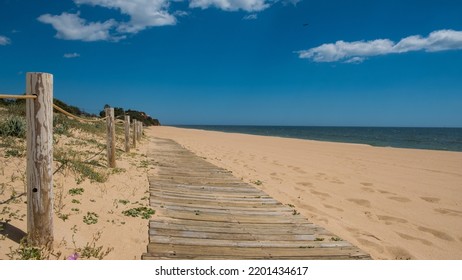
{"x": 134, "y": 133}
{"x": 139, "y": 131}
{"x": 110, "y": 125}
{"x": 127, "y": 133}
{"x": 39, "y": 115}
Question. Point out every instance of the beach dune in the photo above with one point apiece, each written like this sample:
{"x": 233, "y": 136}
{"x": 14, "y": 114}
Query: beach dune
{"x": 392, "y": 203}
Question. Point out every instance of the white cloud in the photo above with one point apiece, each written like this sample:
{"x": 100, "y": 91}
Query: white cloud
{"x": 72, "y": 27}
{"x": 143, "y": 13}
{"x": 231, "y": 5}
{"x": 356, "y": 52}
{"x": 250, "y": 17}
{"x": 180, "y": 13}
{"x": 4, "y": 41}
{"x": 71, "y": 55}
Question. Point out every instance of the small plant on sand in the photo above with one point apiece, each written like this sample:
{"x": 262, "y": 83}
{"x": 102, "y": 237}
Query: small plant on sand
{"x": 144, "y": 164}
{"x": 25, "y": 251}
{"x": 63, "y": 217}
{"x": 124, "y": 201}
{"x": 90, "y": 218}
{"x": 13, "y": 153}
{"x": 76, "y": 191}
{"x": 335, "y": 238}
{"x": 295, "y": 212}
{"x": 257, "y": 182}
{"x": 291, "y": 205}
{"x": 76, "y": 201}
{"x": 91, "y": 250}
{"x": 319, "y": 239}
{"x": 13, "y": 126}
{"x": 143, "y": 212}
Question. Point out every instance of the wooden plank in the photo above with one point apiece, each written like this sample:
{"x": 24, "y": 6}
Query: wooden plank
{"x": 221, "y": 252}
{"x": 232, "y": 236}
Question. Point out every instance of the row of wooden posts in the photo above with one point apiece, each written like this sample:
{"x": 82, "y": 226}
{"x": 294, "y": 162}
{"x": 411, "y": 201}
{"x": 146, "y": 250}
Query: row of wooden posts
{"x": 137, "y": 132}
{"x": 39, "y": 173}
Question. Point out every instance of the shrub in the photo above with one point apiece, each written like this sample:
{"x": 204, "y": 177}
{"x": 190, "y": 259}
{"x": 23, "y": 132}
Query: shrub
{"x": 13, "y": 126}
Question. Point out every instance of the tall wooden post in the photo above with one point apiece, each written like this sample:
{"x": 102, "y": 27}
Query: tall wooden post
{"x": 110, "y": 125}
{"x": 134, "y": 133}
{"x": 127, "y": 133}
{"x": 139, "y": 131}
{"x": 39, "y": 115}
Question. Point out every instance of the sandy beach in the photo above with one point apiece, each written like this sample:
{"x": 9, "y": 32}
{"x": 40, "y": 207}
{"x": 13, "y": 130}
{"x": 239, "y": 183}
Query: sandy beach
{"x": 392, "y": 203}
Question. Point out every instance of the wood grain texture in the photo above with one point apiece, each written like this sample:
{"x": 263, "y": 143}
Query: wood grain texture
{"x": 134, "y": 133}
{"x": 204, "y": 212}
{"x": 110, "y": 129}
{"x": 39, "y": 115}
{"x": 127, "y": 133}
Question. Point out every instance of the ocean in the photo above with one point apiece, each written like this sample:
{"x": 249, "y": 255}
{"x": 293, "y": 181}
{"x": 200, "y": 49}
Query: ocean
{"x": 446, "y": 139}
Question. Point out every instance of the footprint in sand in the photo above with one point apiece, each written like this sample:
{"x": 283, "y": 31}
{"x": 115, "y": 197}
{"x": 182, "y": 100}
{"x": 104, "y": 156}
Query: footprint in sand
{"x": 390, "y": 220}
{"x": 413, "y": 238}
{"x": 368, "y": 189}
{"x": 399, "y": 253}
{"x": 430, "y": 199}
{"x": 371, "y": 244}
{"x": 319, "y": 193}
{"x": 305, "y": 184}
{"x": 386, "y": 192}
{"x": 399, "y": 198}
{"x": 333, "y": 207}
{"x": 335, "y": 180}
{"x": 361, "y": 202}
{"x": 367, "y": 184}
{"x": 276, "y": 163}
{"x": 436, "y": 233}
{"x": 273, "y": 174}
{"x": 449, "y": 212}
{"x": 297, "y": 169}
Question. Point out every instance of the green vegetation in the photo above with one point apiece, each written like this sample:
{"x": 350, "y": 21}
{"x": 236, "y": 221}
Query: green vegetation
{"x": 14, "y": 126}
{"x": 90, "y": 218}
{"x": 76, "y": 191}
{"x": 143, "y": 212}
{"x": 257, "y": 182}
{"x": 134, "y": 115}
{"x": 124, "y": 201}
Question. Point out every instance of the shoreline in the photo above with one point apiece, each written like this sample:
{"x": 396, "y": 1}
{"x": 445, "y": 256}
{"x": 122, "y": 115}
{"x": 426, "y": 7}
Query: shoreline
{"x": 316, "y": 140}
{"x": 394, "y": 203}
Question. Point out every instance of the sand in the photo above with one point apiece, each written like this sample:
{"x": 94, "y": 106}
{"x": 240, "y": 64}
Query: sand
{"x": 392, "y": 203}
{"x": 110, "y": 235}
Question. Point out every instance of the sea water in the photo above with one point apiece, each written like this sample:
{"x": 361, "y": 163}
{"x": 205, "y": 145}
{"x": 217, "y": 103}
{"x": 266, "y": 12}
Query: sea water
{"x": 447, "y": 139}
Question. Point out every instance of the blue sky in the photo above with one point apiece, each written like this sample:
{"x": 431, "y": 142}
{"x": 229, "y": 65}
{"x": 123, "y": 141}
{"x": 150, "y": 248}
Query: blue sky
{"x": 254, "y": 62}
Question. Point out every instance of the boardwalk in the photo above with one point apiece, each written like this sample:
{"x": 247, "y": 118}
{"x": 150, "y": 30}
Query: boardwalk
{"x": 204, "y": 212}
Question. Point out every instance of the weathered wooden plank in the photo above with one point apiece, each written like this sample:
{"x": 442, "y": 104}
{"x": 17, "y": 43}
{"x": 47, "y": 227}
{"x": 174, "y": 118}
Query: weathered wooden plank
{"x": 232, "y": 236}
{"x": 189, "y": 207}
{"x": 220, "y": 252}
